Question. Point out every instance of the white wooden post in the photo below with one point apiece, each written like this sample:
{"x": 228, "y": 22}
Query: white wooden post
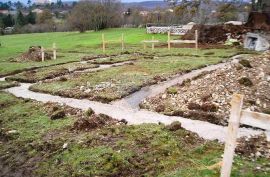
{"x": 103, "y": 42}
{"x": 144, "y": 45}
{"x": 196, "y": 39}
{"x": 122, "y": 41}
{"x": 153, "y": 44}
{"x": 54, "y": 51}
{"x": 169, "y": 40}
{"x": 42, "y": 54}
{"x": 234, "y": 122}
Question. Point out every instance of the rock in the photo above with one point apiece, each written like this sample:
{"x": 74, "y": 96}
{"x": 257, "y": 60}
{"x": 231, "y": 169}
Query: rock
{"x": 65, "y": 145}
{"x": 12, "y": 132}
{"x": 245, "y": 81}
{"x": 89, "y": 112}
{"x": 124, "y": 121}
{"x": 160, "y": 108}
{"x": 245, "y": 63}
{"x": 58, "y": 115}
{"x": 87, "y": 91}
{"x": 176, "y": 125}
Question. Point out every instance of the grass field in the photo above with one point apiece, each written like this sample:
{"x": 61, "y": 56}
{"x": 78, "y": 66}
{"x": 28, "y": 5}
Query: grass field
{"x": 72, "y": 46}
{"x": 13, "y": 45}
{"x": 33, "y": 143}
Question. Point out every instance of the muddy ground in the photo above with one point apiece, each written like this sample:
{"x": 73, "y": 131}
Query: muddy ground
{"x": 70, "y": 142}
{"x": 208, "y": 96}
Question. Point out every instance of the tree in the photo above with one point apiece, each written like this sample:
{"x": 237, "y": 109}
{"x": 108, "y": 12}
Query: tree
{"x": 18, "y": 5}
{"x": 20, "y": 20}
{"x": 95, "y": 15}
{"x": 44, "y": 17}
{"x": 59, "y": 4}
{"x": 29, "y": 3}
{"x": 227, "y": 12}
{"x": 8, "y": 21}
{"x": 31, "y": 18}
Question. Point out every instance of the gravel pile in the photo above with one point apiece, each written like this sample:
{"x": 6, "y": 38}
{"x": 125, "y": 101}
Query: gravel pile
{"x": 208, "y": 96}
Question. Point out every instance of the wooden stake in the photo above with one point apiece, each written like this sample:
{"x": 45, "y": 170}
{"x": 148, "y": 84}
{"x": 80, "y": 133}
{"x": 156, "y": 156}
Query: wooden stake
{"x": 122, "y": 41}
{"x": 144, "y": 45}
{"x": 234, "y": 122}
{"x": 42, "y": 54}
{"x": 153, "y": 44}
{"x": 169, "y": 40}
{"x": 103, "y": 43}
{"x": 196, "y": 39}
{"x": 54, "y": 51}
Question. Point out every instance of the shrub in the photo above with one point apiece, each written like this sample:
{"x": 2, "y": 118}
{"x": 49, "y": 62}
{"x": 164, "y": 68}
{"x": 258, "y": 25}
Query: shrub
{"x": 172, "y": 90}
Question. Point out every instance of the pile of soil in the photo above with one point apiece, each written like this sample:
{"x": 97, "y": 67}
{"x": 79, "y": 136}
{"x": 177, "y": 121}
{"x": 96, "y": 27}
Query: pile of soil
{"x": 58, "y": 111}
{"x": 34, "y": 54}
{"x": 213, "y": 34}
{"x": 253, "y": 147}
{"x": 258, "y": 21}
{"x": 208, "y": 96}
{"x": 94, "y": 121}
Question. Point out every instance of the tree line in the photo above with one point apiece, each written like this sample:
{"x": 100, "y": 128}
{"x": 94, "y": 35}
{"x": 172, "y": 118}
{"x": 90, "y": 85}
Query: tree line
{"x": 100, "y": 14}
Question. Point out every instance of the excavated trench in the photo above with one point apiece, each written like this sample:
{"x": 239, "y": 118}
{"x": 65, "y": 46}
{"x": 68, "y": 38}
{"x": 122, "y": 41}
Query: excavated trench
{"x": 128, "y": 108}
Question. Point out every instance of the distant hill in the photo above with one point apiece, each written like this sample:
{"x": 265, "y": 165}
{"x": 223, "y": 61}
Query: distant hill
{"x": 147, "y": 4}
{"x": 127, "y": 3}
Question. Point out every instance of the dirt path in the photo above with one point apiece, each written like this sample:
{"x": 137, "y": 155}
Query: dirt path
{"x": 127, "y": 108}
{"x": 204, "y": 129}
{"x": 132, "y": 101}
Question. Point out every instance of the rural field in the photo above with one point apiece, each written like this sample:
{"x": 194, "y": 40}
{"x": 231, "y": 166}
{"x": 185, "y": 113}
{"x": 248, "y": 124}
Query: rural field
{"x": 131, "y": 112}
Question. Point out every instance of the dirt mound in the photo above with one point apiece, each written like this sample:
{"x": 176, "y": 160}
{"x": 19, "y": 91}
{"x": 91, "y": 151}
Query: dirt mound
{"x": 93, "y": 122}
{"x": 212, "y": 34}
{"x": 57, "y": 111}
{"x": 34, "y": 54}
{"x": 258, "y": 21}
{"x": 256, "y": 146}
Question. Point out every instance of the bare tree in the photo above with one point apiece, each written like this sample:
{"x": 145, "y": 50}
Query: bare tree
{"x": 95, "y": 15}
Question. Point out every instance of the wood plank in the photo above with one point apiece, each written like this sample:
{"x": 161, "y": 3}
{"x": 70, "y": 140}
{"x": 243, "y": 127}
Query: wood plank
{"x": 183, "y": 41}
{"x": 255, "y": 119}
{"x": 234, "y": 122}
{"x": 150, "y": 41}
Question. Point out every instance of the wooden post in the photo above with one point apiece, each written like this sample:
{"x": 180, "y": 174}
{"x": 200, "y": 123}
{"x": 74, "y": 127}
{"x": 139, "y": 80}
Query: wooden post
{"x": 42, "y": 54}
{"x": 169, "y": 40}
{"x": 103, "y": 42}
{"x": 122, "y": 41}
{"x": 54, "y": 51}
{"x": 196, "y": 39}
{"x": 153, "y": 44}
{"x": 234, "y": 122}
{"x": 144, "y": 45}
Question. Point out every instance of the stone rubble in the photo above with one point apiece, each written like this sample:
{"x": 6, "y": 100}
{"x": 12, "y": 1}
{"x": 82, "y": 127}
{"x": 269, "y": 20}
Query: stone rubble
{"x": 208, "y": 96}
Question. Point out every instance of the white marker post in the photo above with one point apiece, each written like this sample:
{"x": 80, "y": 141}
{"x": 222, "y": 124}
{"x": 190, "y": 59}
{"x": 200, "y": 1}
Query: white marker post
{"x": 54, "y": 51}
{"x": 234, "y": 122}
{"x": 42, "y": 54}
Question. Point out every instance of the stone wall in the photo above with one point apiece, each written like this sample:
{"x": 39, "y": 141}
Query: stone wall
{"x": 177, "y": 30}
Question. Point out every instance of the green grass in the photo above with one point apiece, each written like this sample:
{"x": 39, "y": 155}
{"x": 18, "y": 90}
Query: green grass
{"x": 72, "y": 46}
{"x": 119, "y": 150}
{"x": 7, "y": 84}
{"x": 50, "y": 72}
{"x": 13, "y": 45}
